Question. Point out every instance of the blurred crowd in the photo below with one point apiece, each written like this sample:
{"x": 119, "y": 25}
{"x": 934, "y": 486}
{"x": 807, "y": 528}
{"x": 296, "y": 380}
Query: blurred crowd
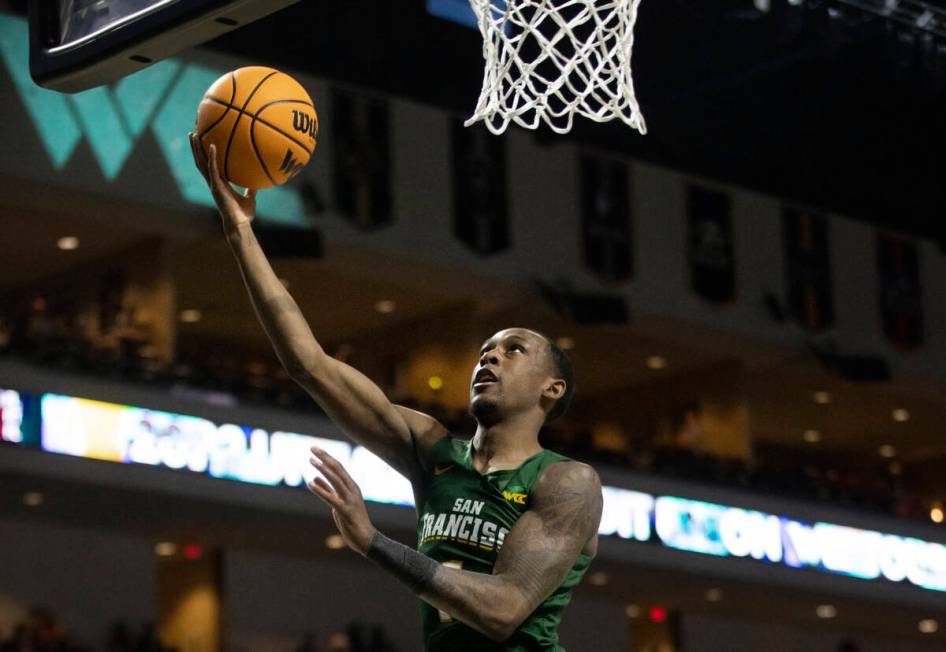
{"x": 357, "y": 637}
{"x": 41, "y": 631}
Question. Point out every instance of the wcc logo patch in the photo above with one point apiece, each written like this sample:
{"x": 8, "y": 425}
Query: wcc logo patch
{"x": 517, "y": 495}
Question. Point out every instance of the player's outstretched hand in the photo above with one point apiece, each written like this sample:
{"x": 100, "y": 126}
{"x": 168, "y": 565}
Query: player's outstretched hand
{"x": 235, "y": 209}
{"x": 342, "y": 494}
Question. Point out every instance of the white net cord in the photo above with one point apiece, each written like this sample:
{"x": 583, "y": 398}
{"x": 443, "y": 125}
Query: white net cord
{"x": 550, "y": 59}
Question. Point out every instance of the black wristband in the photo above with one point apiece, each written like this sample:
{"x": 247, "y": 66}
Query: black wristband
{"x": 409, "y": 566}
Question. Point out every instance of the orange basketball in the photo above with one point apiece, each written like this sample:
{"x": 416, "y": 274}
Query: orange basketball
{"x": 263, "y": 124}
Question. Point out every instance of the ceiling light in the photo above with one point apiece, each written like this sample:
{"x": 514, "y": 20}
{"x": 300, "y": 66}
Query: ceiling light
{"x": 565, "y": 343}
{"x": 887, "y": 451}
{"x": 928, "y": 626}
{"x": 936, "y": 512}
{"x": 68, "y": 243}
{"x": 632, "y": 611}
{"x": 826, "y": 611}
{"x": 822, "y": 397}
{"x": 33, "y": 499}
{"x": 385, "y": 306}
{"x": 435, "y": 383}
{"x": 191, "y": 316}
{"x": 713, "y": 595}
{"x": 900, "y": 415}
{"x": 598, "y": 579}
{"x": 812, "y": 436}
{"x": 165, "y": 549}
{"x": 656, "y": 362}
{"x": 334, "y": 542}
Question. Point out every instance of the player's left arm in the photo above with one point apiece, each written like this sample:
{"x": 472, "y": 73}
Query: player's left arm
{"x": 564, "y": 513}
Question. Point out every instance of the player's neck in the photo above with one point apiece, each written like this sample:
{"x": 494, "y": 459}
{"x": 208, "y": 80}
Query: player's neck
{"x": 505, "y": 445}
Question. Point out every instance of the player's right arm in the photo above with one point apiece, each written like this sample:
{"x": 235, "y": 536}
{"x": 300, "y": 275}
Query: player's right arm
{"x": 398, "y": 435}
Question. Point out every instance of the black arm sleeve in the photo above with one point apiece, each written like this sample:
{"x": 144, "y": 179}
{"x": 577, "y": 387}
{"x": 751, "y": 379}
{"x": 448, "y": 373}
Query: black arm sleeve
{"x": 409, "y": 566}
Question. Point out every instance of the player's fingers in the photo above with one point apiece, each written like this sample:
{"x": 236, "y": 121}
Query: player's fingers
{"x": 217, "y": 182}
{"x": 332, "y": 475}
{"x": 199, "y": 159}
{"x": 336, "y": 468}
{"x": 321, "y": 488}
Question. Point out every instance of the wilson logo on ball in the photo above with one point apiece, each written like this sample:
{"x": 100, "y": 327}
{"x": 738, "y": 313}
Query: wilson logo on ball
{"x": 303, "y": 123}
{"x": 290, "y": 165}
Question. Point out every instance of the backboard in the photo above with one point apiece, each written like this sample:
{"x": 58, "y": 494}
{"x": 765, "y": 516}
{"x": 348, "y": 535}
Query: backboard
{"x": 78, "y": 44}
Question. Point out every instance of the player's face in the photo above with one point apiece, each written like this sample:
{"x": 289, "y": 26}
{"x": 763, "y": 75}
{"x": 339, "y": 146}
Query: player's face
{"x": 513, "y": 368}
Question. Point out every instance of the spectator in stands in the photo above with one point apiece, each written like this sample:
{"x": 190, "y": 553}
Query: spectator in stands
{"x": 680, "y": 453}
{"x": 379, "y": 641}
{"x": 148, "y": 640}
{"x": 847, "y": 645}
{"x": 119, "y": 638}
{"x": 308, "y": 643}
{"x": 124, "y": 339}
{"x": 40, "y": 633}
{"x": 339, "y": 642}
{"x": 5, "y": 333}
{"x": 19, "y": 641}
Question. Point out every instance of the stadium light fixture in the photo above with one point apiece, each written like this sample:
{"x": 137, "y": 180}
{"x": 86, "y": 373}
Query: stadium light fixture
{"x": 928, "y": 626}
{"x": 67, "y": 243}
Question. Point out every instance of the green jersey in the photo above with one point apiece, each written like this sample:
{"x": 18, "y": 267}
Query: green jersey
{"x": 462, "y": 523}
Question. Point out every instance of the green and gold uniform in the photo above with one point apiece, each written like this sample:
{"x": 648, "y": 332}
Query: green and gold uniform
{"x": 463, "y": 522}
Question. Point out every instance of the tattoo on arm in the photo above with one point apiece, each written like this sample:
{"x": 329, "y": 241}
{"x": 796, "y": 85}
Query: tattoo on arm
{"x": 537, "y": 554}
{"x": 542, "y": 547}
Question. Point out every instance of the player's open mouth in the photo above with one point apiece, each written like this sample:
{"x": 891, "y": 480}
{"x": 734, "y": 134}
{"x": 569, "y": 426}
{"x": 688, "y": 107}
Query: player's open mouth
{"x": 483, "y": 378}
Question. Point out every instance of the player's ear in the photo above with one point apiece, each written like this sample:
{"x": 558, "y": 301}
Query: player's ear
{"x": 554, "y": 389}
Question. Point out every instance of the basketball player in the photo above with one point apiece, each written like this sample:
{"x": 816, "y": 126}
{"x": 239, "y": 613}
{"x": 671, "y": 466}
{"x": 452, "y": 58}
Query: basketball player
{"x": 506, "y": 529}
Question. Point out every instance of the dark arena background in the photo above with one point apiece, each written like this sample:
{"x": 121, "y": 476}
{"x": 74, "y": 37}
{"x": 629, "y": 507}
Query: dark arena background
{"x": 753, "y": 295}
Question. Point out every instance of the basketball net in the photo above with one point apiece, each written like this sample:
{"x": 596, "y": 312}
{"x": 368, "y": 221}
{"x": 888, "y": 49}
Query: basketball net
{"x": 551, "y": 59}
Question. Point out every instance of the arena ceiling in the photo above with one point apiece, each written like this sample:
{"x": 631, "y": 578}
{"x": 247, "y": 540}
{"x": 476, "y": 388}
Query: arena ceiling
{"x": 814, "y": 103}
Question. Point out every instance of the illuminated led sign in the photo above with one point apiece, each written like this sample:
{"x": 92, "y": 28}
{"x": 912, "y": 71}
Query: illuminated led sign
{"x": 11, "y": 416}
{"x": 122, "y": 433}
{"x": 724, "y": 531}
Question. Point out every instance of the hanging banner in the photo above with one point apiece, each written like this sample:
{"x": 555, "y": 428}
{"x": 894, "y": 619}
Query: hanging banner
{"x": 808, "y": 268}
{"x": 362, "y": 155}
{"x": 480, "y": 212}
{"x": 127, "y": 140}
{"x": 900, "y": 294}
{"x": 606, "y": 238}
{"x": 710, "y": 246}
